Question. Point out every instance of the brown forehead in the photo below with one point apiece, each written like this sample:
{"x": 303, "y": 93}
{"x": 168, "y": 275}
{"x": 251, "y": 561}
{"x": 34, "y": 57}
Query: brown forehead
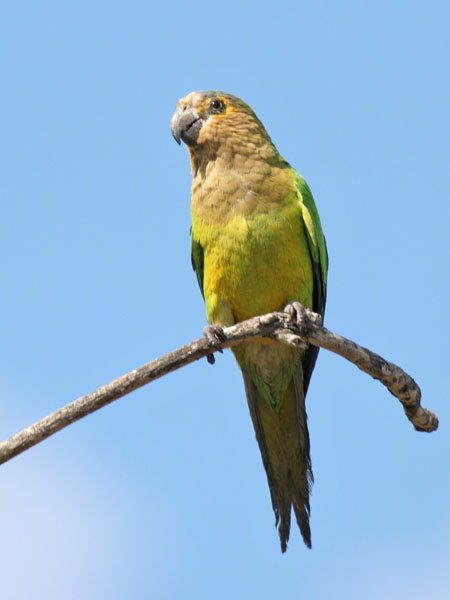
{"x": 200, "y": 98}
{"x": 192, "y": 99}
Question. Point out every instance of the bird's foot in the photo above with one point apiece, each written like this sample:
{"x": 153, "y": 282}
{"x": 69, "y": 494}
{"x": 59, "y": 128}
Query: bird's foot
{"x": 215, "y": 336}
{"x": 302, "y": 317}
{"x": 295, "y": 312}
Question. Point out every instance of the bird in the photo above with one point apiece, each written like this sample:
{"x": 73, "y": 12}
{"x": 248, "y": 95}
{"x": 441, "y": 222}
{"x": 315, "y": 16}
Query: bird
{"x": 257, "y": 246}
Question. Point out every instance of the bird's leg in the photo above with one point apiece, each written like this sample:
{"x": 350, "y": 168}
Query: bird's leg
{"x": 215, "y": 336}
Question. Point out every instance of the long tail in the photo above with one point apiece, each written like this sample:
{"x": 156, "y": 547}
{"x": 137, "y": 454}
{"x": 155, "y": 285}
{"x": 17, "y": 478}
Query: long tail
{"x": 283, "y": 440}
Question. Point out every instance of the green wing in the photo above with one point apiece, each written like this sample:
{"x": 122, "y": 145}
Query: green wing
{"x": 319, "y": 257}
{"x": 197, "y": 260}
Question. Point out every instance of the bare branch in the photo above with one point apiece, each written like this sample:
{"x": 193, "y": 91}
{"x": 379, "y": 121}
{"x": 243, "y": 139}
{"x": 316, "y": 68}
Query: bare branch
{"x": 278, "y": 326}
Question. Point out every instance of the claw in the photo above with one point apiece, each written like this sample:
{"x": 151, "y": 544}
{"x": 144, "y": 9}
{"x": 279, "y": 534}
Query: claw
{"x": 215, "y": 336}
{"x": 294, "y": 311}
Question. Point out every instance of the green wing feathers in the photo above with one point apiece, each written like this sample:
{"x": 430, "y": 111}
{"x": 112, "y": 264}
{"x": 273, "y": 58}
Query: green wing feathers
{"x": 197, "y": 259}
{"x": 316, "y": 243}
{"x": 319, "y": 258}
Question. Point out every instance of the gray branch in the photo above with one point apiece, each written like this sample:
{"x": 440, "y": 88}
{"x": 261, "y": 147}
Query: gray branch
{"x": 278, "y": 326}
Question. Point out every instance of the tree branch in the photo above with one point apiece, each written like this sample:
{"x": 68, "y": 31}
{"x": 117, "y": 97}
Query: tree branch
{"x": 278, "y": 326}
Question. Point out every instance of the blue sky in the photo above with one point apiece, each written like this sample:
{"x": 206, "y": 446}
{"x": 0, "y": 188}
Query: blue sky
{"x": 163, "y": 494}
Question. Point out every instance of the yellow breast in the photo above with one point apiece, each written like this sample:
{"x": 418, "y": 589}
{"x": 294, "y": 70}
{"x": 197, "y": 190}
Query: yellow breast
{"x": 254, "y": 261}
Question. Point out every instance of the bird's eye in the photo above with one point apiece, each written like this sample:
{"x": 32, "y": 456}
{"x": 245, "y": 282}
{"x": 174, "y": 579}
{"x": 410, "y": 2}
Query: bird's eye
{"x": 217, "y": 105}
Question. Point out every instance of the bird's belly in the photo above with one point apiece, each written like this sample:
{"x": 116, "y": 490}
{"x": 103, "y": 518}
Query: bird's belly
{"x": 254, "y": 266}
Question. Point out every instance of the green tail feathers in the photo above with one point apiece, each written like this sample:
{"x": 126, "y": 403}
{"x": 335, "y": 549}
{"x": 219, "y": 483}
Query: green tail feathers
{"x": 283, "y": 440}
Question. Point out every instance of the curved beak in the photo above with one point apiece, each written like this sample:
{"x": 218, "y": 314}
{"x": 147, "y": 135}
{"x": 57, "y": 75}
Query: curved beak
{"x": 186, "y": 125}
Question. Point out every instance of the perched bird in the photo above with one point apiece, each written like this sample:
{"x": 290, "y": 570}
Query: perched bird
{"x": 257, "y": 247}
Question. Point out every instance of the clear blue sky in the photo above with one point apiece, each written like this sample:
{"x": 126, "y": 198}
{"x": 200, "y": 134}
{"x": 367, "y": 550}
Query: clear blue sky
{"x": 163, "y": 495}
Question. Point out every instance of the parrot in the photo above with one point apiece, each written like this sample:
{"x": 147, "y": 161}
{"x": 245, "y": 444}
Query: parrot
{"x": 257, "y": 246}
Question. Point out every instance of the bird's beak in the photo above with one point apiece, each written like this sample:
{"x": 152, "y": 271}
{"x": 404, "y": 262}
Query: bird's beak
{"x": 186, "y": 125}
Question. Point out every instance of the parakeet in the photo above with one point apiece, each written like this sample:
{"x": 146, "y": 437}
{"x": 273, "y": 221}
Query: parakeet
{"x": 257, "y": 246}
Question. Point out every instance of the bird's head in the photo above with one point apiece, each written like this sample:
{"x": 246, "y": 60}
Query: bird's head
{"x": 212, "y": 123}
